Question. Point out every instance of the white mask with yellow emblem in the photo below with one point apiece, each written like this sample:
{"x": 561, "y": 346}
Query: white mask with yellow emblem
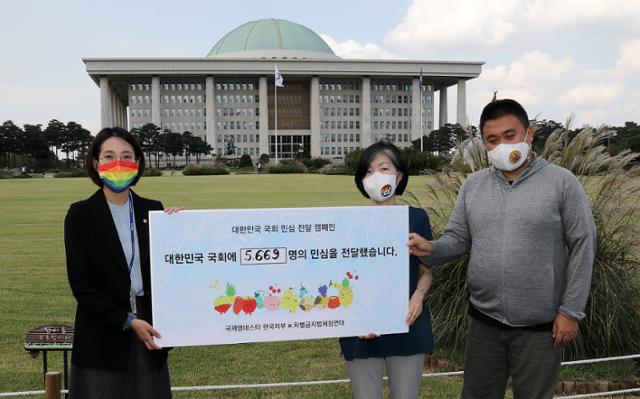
{"x": 509, "y": 157}
{"x": 379, "y": 186}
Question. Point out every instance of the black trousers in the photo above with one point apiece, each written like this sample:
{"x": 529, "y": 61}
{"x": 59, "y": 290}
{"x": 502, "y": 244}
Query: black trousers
{"x": 493, "y": 354}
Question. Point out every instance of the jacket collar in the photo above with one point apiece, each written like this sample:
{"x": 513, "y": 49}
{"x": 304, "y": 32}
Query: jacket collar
{"x": 106, "y": 228}
{"x": 534, "y": 166}
{"x": 109, "y": 233}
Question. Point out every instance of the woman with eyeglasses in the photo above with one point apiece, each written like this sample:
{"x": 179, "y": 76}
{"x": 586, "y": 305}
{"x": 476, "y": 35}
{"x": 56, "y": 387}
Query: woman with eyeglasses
{"x": 107, "y": 247}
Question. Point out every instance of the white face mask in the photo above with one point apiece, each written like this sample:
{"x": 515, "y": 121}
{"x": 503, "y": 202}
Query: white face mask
{"x": 380, "y": 186}
{"x": 509, "y": 157}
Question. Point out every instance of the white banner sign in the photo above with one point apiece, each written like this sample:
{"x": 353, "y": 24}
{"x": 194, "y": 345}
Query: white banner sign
{"x": 231, "y": 276}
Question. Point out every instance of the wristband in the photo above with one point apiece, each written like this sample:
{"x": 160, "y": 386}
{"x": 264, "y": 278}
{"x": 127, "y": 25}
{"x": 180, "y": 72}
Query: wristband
{"x": 127, "y": 323}
{"x": 423, "y": 290}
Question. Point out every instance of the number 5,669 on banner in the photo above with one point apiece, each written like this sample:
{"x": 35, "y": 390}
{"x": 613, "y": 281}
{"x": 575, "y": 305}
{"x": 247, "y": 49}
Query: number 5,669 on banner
{"x": 252, "y": 275}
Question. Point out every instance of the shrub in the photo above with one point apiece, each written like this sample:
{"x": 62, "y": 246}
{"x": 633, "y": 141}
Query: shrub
{"x": 351, "y": 161}
{"x": 228, "y": 162}
{"x": 245, "y": 161}
{"x": 7, "y": 174}
{"x": 612, "y": 325}
{"x": 335, "y": 170}
{"x": 70, "y": 173}
{"x": 287, "y": 167}
{"x": 152, "y": 172}
{"x": 264, "y": 159}
{"x": 418, "y": 161}
{"x": 199, "y": 170}
{"x": 315, "y": 163}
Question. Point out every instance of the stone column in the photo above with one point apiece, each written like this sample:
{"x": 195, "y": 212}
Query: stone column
{"x": 429, "y": 109}
{"x": 105, "y": 103}
{"x": 121, "y": 114}
{"x": 116, "y": 107}
{"x": 264, "y": 116}
{"x": 443, "y": 106}
{"x": 315, "y": 117}
{"x": 125, "y": 115}
{"x": 114, "y": 110}
{"x": 155, "y": 101}
{"x": 461, "y": 114}
{"x": 210, "y": 109}
{"x": 114, "y": 119}
{"x": 365, "y": 113}
{"x": 416, "y": 106}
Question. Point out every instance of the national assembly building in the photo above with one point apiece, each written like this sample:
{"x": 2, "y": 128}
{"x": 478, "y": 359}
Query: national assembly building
{"x": 328, "y": 107}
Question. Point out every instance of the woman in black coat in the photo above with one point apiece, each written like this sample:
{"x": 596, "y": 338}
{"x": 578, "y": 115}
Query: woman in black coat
{"x": 107, "y": 247}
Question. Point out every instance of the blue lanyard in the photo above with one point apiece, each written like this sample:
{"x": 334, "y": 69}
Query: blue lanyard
{"x": 132, "y": 227}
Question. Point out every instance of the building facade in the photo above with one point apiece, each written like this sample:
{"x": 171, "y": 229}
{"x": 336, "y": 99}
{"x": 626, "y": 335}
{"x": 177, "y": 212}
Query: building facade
{"x": 328, "y": 106}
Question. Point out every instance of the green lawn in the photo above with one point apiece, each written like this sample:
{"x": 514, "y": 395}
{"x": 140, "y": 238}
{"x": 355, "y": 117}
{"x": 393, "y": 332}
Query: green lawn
{"x": 34, "y": 289}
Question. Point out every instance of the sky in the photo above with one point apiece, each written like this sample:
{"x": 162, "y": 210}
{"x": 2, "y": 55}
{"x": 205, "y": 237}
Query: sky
{"x": 560, "y": 59}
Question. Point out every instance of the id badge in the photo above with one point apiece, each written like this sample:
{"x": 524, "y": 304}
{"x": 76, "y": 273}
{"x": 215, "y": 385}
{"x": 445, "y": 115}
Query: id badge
{"x": 132, "y": 301}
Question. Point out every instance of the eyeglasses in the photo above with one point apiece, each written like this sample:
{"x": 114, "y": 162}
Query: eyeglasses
{"x": 111, "y": 158}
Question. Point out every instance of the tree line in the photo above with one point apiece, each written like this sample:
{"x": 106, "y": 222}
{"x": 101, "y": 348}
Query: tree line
{"x": 444, "y": 139}
{"x": 158, "y": 144}
{"x": 65, "y": 145}
{"x": 38, "y": 148}
{"x": 41, "y": 148}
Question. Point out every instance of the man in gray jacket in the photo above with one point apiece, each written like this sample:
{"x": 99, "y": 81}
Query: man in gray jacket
{"x": 531, "y": 236}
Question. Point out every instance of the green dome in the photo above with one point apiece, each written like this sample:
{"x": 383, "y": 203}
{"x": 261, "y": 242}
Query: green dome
{"x": 268, "y": 38}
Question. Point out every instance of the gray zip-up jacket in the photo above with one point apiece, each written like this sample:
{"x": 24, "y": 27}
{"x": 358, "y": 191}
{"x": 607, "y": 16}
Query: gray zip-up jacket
{"x": 532, "y": 243}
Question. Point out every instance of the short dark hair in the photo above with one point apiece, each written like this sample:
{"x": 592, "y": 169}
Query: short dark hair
{"x": 503, "y": 107}
{"x": 94, "y": 152}
{"x": 394, "y": 154}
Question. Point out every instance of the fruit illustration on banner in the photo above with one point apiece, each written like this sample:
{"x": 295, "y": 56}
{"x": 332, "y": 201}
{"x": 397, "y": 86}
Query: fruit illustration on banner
{"x": 259, "y": 295}
{"x": 289, "y": 301}
{"x": 303, "y": 291}
{"x": 249, "y": 304}
{"x": 334, "y": 302}
{"x": 345, "y": 293}
{"x": 238, "y": 304}
{"x": 222, "y": 303}
{"x": 346, "y": 296}
{"x": 322, "y": 300}
{"x": 272, "y": 300}
{"x": 306, "y": 303}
